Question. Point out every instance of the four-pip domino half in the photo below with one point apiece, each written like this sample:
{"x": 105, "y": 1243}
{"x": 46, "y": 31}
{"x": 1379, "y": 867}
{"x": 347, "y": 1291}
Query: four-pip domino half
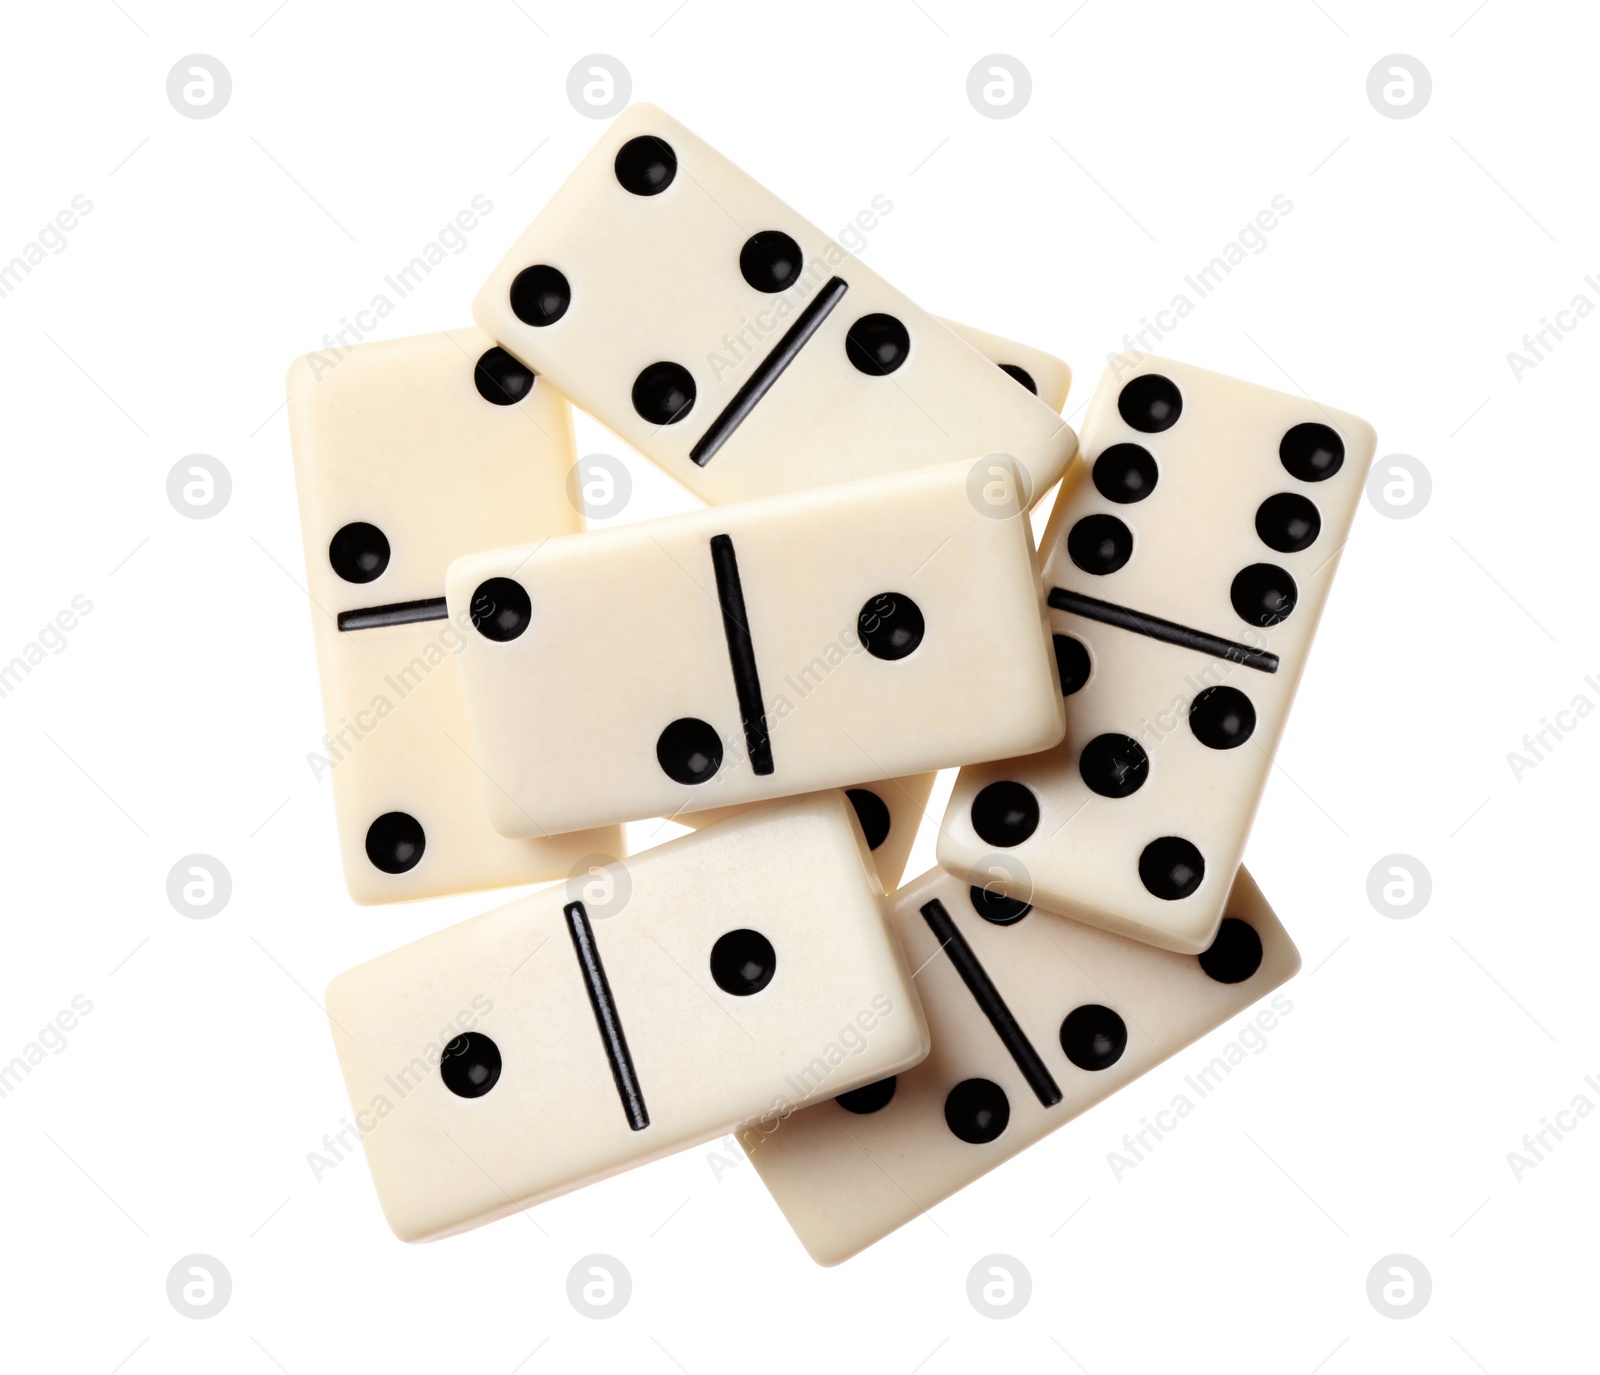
{"x": 859, "y": 605}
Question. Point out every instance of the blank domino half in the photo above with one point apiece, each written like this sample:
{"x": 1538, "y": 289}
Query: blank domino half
{"x": 1034, "y": 1019}
{"x": 1187, "y": 562}
{"x": 758, "y": 650}
{"x": 890, "y": 811}
{"x": 682, "y": 304}
{"x": 731, "y": 974}
{"x": 407, "y": 455}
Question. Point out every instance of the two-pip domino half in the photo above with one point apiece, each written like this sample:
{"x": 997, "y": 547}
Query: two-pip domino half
{"x": 859, "y": 605}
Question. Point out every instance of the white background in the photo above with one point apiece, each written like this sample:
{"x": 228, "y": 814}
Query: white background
{"x": 177, "y": 719}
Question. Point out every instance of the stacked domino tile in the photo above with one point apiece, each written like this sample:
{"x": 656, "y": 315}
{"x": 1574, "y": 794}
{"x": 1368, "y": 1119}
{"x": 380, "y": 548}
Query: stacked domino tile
{"x": 859, "y": 605}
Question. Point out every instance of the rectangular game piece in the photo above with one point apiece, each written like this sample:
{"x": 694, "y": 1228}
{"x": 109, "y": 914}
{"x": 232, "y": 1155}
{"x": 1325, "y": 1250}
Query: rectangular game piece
{"x": 685, "y": 306}
{"x": 725, "y": 976}
{"x": 408, "y": 454}
{"x": 867, "y": 631}
{"x": 1187, "y": 562}
{"x": 1034, "y": 1020}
